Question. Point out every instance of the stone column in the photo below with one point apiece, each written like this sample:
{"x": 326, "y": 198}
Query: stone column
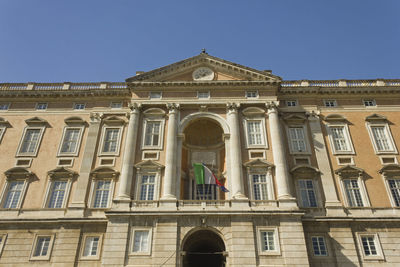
{"x": 235, "y": 152}
{"x": 79, "y": 197}
{"x": 332, "y": 203}
{"x": 282, "y": 176}
{"x": 125, "y": 185}
{"x": 169, "y": 184}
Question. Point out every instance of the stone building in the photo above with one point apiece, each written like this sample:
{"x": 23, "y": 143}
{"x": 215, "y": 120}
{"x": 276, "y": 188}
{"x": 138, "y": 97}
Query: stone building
{"x": 100, "y": 174}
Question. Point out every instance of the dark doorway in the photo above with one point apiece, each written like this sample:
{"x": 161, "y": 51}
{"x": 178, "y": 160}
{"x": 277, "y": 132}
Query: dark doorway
{"x": 204, "y": 248}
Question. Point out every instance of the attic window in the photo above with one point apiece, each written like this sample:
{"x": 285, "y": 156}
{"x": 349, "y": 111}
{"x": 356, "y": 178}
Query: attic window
{"x": 203, "y": 95}
{"x": 291, "y": 103}
{"x": 252, "y": 94}
{"x": 155, "y": 95}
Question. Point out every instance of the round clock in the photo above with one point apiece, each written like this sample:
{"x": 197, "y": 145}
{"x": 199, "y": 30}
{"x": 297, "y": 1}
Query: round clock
{"x": 203, "y": 74}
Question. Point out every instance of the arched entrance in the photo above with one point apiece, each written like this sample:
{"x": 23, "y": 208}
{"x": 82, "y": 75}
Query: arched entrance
{"x": 204, "y": 248}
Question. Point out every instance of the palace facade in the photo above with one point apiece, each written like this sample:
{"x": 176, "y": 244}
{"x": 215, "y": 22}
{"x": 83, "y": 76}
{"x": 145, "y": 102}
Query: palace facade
{"x": 101, "y": 174}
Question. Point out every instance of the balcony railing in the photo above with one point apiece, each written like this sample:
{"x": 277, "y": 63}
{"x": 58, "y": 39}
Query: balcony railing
{"x": 341, "y": 83}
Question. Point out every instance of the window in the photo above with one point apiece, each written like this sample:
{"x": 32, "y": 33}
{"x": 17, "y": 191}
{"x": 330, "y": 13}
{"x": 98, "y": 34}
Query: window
{"x": 268, "y": 241}
{"x": 307, "y": 193}
{"x": 102, "y": 192}
{"x": 340, "y": 139}
{"x": 255, "y": 133}
{"x": 4, "y": 106}
{"x": 330, "y": 103}
{"x": 319, "y": 246}
{"x": 369, "y": 102}
{"x": 394, "y": 186}
{"x": 370, "y": 246}
{"x": 155, "y": 95}
{"x": 152, "y": 134}
{"x": 260, "y": 186}
{"x": 30, "y": 141}
{"x": 3, "y": 238}
{"x": 71, "y": 141}
{"x": 141, "y": 243}
{"x": 79, "y": 106}
{"x": 92, "y": 247}
{"x": 251, "y": 94}
{"x": 41, "y": 106}
{"x": 291, "y": 103}
{"x": 13, "y": 194}
{"x": 111, "y": 140}
{"x": 297, "y": 139}
{"x": 382, "y": 140}
{"x": 147, "y": 186}
{"x": 116, "y": 105}
{"x": 353, "y": 193}
{"x": 57, "y": 194}
{"x": 204, "y": 95}
{"x": 42, "y": 247}
{"x": 2, "y": 130}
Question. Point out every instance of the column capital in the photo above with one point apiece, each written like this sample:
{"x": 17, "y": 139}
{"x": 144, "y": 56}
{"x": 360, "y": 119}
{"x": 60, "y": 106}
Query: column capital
{"x": 313, "y": 115}
{"x": 272, "y": 105}
{"x": 95, "y": 117}
{"x": 135, "y": 107}
{"x": 232, "y": 107}
{"x": 172, "y": 107}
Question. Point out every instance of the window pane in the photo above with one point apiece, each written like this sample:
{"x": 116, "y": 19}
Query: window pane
{"x": 297, "y": 139}
{"x": 381, "y": 138}
{"x": 368, "y": 244}
{"x": 91, "y": 246}
{"x": 141, "y": 241}
{"x": 353, "y": 192}
{"x": 101, "y": 194}
{"x": 147, "y": 187}
{"x": 30, "y": 141}
{"x": 111, "y": 140}
{"x": 57, "y": 194}
{"x": 152, "y": 133}
{"x": 267, "y": 240}
{"x": 254, "y": 133}
{"x": 260, "y": 186}
{"x": 13, "y": 194}
{"x": 339, "y": 139}
{"x": 70, "y": 141}
{"x": 319, "y": 247}
{"x": 394, "y": 186}
{"x": 42, "y": 246}
{"x": 307, "y": 193}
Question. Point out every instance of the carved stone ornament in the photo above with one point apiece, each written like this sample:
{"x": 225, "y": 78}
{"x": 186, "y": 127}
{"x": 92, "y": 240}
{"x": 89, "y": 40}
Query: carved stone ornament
{"x": 272, "y": 104}
{"x": 313, "y": 114}
{"x": 135, "y": 107}
{"x": 172, "y": 107}
{"x": 232, "y": 107}
{"x": 96, "y": 116}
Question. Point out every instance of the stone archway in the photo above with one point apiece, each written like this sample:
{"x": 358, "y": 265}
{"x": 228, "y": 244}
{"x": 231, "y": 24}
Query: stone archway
{"x": 204, "y": 248}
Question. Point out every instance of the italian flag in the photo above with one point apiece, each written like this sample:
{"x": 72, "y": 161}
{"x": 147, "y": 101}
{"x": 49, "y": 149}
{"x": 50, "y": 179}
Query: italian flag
{"x": 204, "y": 175}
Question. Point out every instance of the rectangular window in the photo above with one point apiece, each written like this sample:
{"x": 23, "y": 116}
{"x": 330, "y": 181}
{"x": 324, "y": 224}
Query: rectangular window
{"x": 57, "y": 194}
{"x": 251, "y": 94}
{"x": 307, "y": 193}
{"x": 92, "y": 247}
{"x": 260, "y": 186}
{"x": 291, "y": 103}
{"x": 116, "y": 105}
{"x": 141, "y": 241}
{"x": 330, "y": 103}
{"x": 254, "y": 133}
{"x": 4, "y": 106}
{"x": 70, "y": 141}
{"x": 41, "y": 106}
{"x": 267, "y": 240}
{"x": 3, "y": 238}
{"x": 147, "y": 187}
{"x": 353, "y": 194}
{"x": 297, "y": 139}
{"x": 42, "y": 247}
{"x": 13, "y": 194}
{"x": 30, "y": 141}
{"x": 339, "y": 139}
{"x": 152, "y": 133}
{"x": 79, "y": 106}
{"x": 381, "y": 138}
{"x": 2, "y": 130}
{"x": 155, "y": 95}
{"x": 394, "y": 186}
{"x": 111, "y": 140}
{"x": 369, "y": 102}
{"x": 102, "y": 189}
{"x": 369, "y": 247}
{"x": 319, "y": 246}
{"x": 203, "y": 95}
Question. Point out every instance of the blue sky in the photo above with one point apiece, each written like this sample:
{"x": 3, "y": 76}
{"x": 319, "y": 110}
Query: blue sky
{"x": 77, "y": 40}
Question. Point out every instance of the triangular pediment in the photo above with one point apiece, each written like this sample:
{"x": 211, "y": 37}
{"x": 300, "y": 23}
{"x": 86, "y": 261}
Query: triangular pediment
{"x": 223, "y": 70}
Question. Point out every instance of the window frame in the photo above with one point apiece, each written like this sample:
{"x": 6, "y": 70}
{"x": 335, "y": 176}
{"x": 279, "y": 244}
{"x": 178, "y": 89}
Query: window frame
{"x": 296, "y": 103}
{"x": 99, "y": 247}
{"x": 315, "y": 190}
{"x": 367, "y": 100}
{"x": 377, "y": 244}
{"x": 139, "y": 185}
{"x": 203, "y": 92}
{"x": 93, "y": 193}
{"x": 37, "y": 146}
{"x": 152, "y": 96}
{"x": 7, "y": 105}
{"x": 41, "y": 106}
{"x": 160, "y": 136}
{"x": 49, "y": 191}
{"x": 306, "y": 141}
{"x": 132, "y": 241}
{"x": 115, "y": 102}
{"x": 277, "y": 249}
{"x": 6, "y": 188}
{"x": 347, "y": 137}
{"x": 3, "y": 237}
{"x": 2, "y": 132}
{"x": 363, "y": 192}
{"x": 78, "y": 142}
{"x": 370, "y": 125}
{"x": 35, "y": 243}
{"x": 248, "y": 92}
{"x": 326, "y": 101}
{"x": 325, "y": 243}
{"x": 263, "y": 132}
{"x": 74, "y": 107}
{"x": 103, "y": 136}
{"x": 269, "y": 183}
{"x": 389, "y": 191}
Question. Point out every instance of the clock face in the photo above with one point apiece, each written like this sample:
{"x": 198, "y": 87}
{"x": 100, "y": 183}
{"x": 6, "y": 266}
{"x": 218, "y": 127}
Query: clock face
{"x": 203, "y": 74}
